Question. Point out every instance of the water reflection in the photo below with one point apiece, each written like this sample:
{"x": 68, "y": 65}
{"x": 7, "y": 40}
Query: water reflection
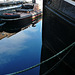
{"x": 20, "y": 48}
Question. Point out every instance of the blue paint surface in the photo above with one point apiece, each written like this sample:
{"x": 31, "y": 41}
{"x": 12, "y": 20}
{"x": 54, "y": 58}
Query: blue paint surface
{"x": 21, "y": 50}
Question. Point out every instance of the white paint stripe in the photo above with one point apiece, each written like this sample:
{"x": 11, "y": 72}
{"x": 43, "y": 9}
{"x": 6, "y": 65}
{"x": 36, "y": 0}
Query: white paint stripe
{"x": 70, "y": 1}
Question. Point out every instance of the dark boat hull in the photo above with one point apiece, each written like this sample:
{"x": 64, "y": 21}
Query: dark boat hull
{"x": 58, "y": 33}
{"x": 20, "y": 21}
{"x": 7, "y": 31}
{"x": 16, "y": 28}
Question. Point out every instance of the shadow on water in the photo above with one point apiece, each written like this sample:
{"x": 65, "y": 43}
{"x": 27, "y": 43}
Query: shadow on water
{"x": 20, "y": 47}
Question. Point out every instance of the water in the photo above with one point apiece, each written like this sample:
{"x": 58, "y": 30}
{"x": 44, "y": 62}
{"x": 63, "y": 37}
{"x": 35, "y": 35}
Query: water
{"x": 21, "y": 50}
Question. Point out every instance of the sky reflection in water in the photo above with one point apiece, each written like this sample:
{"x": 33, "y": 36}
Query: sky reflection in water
{"x": 21, "y": 51}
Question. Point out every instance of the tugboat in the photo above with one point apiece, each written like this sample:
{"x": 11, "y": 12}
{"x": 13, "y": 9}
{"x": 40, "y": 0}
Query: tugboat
{"x": 58, "y": 33}
{"x": 26, "y": 12}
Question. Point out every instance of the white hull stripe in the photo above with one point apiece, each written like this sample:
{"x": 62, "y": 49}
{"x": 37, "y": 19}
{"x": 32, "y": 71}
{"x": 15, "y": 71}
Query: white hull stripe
{"x": 70, "y": 1}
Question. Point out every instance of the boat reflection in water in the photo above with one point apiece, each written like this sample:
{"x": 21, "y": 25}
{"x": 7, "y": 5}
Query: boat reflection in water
{"x": 8, "y": 30}
{"x": 20, "y": 48}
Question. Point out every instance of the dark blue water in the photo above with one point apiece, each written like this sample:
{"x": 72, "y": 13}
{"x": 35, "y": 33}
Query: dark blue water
{"x": 21, "y": 50}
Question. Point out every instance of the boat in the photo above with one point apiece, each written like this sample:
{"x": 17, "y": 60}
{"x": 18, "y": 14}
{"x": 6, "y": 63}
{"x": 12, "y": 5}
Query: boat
{"x": 58, "y": 33}
{"x": 21, "y": 14}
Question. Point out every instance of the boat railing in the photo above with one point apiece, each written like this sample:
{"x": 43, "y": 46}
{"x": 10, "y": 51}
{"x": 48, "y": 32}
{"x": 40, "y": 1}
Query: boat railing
{"x": 11, "y": 3}
{"x": 24, "y": 10}
{"x": 11, "y": 7}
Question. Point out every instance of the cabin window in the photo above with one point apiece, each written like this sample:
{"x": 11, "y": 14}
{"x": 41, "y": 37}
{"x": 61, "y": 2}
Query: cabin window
{"x": 71, "y": 2}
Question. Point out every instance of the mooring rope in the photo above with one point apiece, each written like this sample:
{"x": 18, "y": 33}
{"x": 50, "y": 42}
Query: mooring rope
{"x": 50, "y": 47}
{"x": 73, "y": 44}
{"x": 53, "y": 67}
{"x": 2, "y": 23}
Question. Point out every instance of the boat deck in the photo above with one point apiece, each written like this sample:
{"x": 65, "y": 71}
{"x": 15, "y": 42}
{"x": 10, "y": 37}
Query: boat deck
{"x": 22, "y": 14}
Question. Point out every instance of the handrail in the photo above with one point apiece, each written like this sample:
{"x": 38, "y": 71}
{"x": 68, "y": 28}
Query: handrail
{"x": 10, "y": 7}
